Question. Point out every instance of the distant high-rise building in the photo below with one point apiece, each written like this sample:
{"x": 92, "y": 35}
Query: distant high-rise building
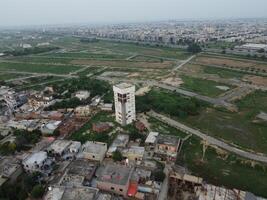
{"x": 124, "y": 97}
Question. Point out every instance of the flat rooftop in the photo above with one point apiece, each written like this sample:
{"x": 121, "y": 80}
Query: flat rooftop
{"x": 168, "y": 140}
{"x": 8, "y": 166}
{"x": 36, "y": 158}
{"x": 59, "y": 145}
{"x": 124, "y": 85}
{"x": 74, "y": 193}
{"x": 115, "y": 174}
{"x": 82, "y": 167}
{"x": 152, "y": 137}
{"x": 94, "y": 147}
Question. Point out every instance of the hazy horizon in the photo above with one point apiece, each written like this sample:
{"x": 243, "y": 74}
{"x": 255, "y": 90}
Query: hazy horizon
{"x": 51, "y": 12}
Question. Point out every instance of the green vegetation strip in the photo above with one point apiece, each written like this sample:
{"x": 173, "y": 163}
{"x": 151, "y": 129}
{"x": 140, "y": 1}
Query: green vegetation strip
{"x": 37, "y": 68}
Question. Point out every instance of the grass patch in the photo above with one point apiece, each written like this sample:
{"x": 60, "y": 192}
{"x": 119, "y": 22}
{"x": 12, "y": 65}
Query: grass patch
{"x": 37, "y": 68}
{"x": 223, "y": 73}
{"x": 228, "y": 170}
{"x": 201, "y": 86}
{"x": 163, "y": 128}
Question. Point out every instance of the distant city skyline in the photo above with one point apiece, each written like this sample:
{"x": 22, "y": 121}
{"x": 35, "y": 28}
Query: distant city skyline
{"x": 45, "y": 12}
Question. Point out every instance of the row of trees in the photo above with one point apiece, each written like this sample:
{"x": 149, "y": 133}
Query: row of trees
{"x": 29, "y": 51}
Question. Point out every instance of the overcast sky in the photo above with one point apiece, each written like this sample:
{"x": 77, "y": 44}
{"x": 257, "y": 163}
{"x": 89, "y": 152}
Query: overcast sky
{"x": 38, "y": 12}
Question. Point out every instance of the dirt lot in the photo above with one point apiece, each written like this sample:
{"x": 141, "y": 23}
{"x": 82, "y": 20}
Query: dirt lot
{"x": 256, "y": 80}
{"x": 173, "y": 81}
{"x": 208, "y": 60}
{"x": 153, "y": 65}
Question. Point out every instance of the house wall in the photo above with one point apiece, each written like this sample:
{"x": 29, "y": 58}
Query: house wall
{"x": 113, "y": 188}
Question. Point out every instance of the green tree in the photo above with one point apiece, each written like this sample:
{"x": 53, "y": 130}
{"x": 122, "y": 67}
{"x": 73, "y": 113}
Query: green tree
{"x": 261, "y": 51}
{"x": 117, "y": 156}
{"x": 194, "y": 48}
{"x": 37, "y": 191}
{"x": 159, "y": 176}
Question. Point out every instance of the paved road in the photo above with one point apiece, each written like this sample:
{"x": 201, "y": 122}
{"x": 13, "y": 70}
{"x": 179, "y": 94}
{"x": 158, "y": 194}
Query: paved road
{"x": 132, "y": 57}
{"x": 209, "y": 139}
{"x": 184, "y": 62}
{"x": 163, "y": 195}
{"x": 80, "y": 70}
{"x": 22, "y": 78}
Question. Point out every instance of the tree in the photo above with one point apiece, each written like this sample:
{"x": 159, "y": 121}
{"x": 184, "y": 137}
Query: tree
{"x": 261, "y": 51}
{"x": 117, "y": 156}
{"x": 159, "y": 176}
{"x": 194, "y": 48}
{"x": 37, "y": 191}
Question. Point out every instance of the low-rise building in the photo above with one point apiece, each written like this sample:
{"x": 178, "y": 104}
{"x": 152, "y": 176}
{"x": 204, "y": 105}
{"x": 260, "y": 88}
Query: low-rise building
{"x": 71, "y": 193}
{"x": 101, "y": 127}
{"x": 167, "y": 147}
{"x": 49, "y": 127}
{"x": 134, "y": 153}
{"x": 59, "y": 147}
{"x": 37, "y": 162}
{"x": 106, "y": 107}
{"x": 82, "y": 95}
{"x": 93, "y": 151}
{"x": 151, "y": 139}
{"x": 120, "y": 141}
{"x": 210, "y": 192}
{"x": 140, "y": 126}
{"x": 114, "y": 178}
{"x": 79, "y": 172}
{"x": 10, "y": 169}
{"x": 82, "y": 111}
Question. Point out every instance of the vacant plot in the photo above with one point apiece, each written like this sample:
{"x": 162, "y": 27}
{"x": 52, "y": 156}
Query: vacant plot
{"x": 203, "y": 87}
{"x": 37, "y": 68}
{"x": 232, "y": 63}
{"x": 223, "y": 73}
{"x": 127, "y": 64}
{"x": 80, "y": 55}
{"x": 147, "y": 58}
{"x": 41, "y": 59}
{"x": 237, "y": 128}
{"x": 121, "y": 48}
{"x": 220, "y": 168}
{"x": 257, "y": 80}
{"x": 7, "y": 76}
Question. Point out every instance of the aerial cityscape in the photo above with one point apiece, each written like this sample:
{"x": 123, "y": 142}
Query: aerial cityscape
{"x": 133, "y": 105}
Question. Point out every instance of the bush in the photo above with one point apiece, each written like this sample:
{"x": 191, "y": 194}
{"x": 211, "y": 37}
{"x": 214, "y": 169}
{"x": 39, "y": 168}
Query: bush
{"x": 37, "y": 191}
{"x": 159, "y": 176}
{"x": 117, "y": 156}
{"x": 194, "y": 48}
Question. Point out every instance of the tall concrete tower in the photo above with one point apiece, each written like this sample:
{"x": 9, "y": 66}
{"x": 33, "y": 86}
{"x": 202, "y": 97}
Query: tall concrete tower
{"x": 124, "y": 97}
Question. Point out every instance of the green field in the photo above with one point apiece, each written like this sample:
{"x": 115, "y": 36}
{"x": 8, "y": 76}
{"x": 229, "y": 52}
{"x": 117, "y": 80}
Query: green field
{"x": 38, "y": 68}
{"x": 40, "y": 59}
{"x": 122, "y": 48}
{"x": 223, "y": 73}
{"x": 203, "y": 87}
{"x": 237, "y": 128}
{"x": 6, "y": 76}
